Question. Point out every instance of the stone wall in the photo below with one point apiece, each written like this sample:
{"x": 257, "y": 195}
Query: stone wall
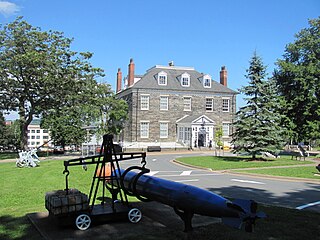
{"x": 175, "y": 111}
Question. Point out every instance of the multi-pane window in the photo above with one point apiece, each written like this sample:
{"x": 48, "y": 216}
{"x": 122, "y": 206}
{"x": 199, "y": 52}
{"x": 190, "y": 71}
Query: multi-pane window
{"x": 226, "y": 129}
{"x": 164, "y": 100}
{"x": 162, "y": 80}
{"x": 187, "y": 134}
{"x": 209, "y": 104}
{"x": 187, "y": 104}
{"x": 144, "y": 129}
{"x": 225, "y": 105}
{"x": 184, "y": 134}
{"x": 163, "y": 130}
{"x": 207, "y": 82}
{"x": 185, "y": 80}
{"x": 144, "y": 102}
{"x": 181, "y": 134}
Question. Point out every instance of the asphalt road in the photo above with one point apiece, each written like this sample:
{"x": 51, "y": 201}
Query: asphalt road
{"x": 266, "y": 190}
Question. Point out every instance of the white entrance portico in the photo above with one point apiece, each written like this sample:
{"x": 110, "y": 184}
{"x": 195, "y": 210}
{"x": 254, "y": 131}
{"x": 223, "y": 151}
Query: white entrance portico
{"x": 195, "y": 131}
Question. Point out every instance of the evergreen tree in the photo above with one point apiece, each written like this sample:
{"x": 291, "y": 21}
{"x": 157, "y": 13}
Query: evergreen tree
{"x": 298, "y": 81}
{"x": 257, "y": 123}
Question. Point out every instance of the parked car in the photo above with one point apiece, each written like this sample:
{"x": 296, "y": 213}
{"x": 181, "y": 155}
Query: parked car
{"x": 58, "y": 150}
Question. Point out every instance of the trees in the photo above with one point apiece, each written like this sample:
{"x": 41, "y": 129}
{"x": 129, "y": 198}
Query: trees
{"x": 39, "y": 72}
{"x": 97, "y": 106}
{"x": 2, "y": 130}
{"x": 298, "y": 81}
{"x": 9, "y": 134}
{"x": 258, "y": 123}
{"x": 110, "y": 112}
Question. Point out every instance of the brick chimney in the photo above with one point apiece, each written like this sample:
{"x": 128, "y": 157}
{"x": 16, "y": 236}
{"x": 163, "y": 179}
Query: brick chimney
{"x": 119, "y": 79}
{"x": 131, "y": 73}
{"x": 223, "y": 76}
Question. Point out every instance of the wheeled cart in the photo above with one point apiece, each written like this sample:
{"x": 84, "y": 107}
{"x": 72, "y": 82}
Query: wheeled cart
{"x": 71, "y": 205}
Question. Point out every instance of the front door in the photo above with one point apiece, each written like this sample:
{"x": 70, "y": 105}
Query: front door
{"x": 202, "y": 139}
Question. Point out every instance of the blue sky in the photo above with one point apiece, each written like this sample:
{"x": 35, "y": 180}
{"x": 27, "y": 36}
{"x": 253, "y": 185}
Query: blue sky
{"x": 205, "y": 34}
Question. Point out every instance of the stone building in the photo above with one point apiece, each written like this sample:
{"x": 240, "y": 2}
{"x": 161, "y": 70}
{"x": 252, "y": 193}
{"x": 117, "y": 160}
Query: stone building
{"x": 176, "y": 105}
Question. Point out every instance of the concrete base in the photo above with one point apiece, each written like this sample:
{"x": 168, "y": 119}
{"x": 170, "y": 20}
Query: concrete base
{"x": 156, "y": 218}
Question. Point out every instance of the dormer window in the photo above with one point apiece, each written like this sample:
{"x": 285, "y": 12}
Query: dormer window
{"x": 162, "y": 78}
{"x": 206, "y": 81}
{"x": 185, "y": 80}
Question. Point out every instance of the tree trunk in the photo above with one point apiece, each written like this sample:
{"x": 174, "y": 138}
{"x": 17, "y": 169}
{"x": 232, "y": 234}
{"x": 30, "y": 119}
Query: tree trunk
{"x": 24, "y": 122}
{"x": 24, "y": 134}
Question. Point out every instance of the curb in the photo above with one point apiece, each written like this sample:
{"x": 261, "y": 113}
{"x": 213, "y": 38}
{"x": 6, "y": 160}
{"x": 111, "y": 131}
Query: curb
{"x": 232, "y": 172}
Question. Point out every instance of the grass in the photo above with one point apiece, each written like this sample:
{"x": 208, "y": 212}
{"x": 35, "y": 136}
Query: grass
{"x": 23, "y": 191}
{"x": 224, "y": 163}
{"x": 298, "y": 172}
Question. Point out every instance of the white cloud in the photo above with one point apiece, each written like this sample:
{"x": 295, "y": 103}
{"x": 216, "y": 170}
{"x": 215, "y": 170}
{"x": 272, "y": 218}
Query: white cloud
{"x": 8, "y": 8}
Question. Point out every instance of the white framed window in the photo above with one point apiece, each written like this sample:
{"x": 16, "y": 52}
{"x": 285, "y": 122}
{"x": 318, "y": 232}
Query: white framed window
{"x": 185, "y": 80}
{"x": 164, "y": 103}
{"x": 162, "y": 78}
{"x": 164, "y": 129}
{"x": 209, "y": 104}
{"x": 180, "y": 135}
{"x": 186, "y": 103}
{"x": 144, "y": 102}
{"x": 225, "y": 129}
{"x": 225, "y": 105}
{"x": 184, "y": 134}
{"x": 206, "y": 81}
{"x": 144, "y": 129}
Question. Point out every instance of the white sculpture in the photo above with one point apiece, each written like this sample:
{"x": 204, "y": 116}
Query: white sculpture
{"x": 28, "y": 159}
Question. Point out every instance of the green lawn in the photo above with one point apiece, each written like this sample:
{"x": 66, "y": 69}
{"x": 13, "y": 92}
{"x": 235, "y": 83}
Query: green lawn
{"x": 299, "y": 172}
{"x": 223, "y": 163}
{"x": 23, "y": 191}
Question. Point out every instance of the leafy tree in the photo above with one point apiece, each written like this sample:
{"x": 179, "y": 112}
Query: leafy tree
{"x": 65, "y": 126}
{"x": 13, "y": 134}
{"x": 39, "y": 72}
{"x": 258, "y": 123}
{"x": 109, "y": 111}
{"x": 2, "y": 130}
{"x": 98, "y": 107}
{"x": 217, "y": 138}
{"x": 298, "y": 81}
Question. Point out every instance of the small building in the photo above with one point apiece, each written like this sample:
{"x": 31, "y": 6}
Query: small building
{"x": 176, "y": 106}
{"x": 36, "y": 135}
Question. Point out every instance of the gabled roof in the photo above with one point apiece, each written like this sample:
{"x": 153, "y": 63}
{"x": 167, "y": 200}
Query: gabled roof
{"x": 195, "y": 119}
{"x": 149, "y": 80}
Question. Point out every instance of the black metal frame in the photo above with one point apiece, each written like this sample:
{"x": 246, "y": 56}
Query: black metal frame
{"x": 107, "y": 155}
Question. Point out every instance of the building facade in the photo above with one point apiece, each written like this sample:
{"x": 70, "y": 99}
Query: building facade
{"x": 176, "y": 105}
{"x": 37, "y": 136}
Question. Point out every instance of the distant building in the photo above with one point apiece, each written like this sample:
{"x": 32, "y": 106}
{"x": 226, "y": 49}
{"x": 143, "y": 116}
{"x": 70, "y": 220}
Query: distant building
{"x": 36, "y": 135}
{"x": 8, "y": 122}
{"x": 176, "y": 106}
